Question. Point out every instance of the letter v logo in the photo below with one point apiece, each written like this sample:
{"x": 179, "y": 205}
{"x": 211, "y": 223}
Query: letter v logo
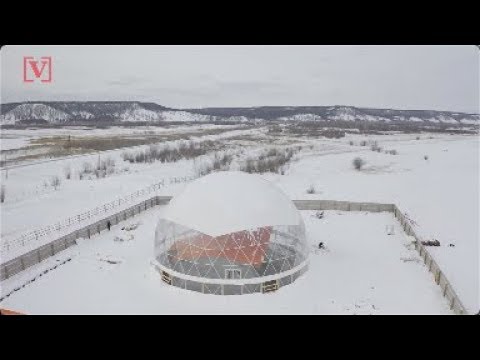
{"x": 40, "y": 70}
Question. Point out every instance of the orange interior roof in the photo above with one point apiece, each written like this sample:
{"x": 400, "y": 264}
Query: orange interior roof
{"x": 245, "y": 247}
{"x": 10, "y": 312}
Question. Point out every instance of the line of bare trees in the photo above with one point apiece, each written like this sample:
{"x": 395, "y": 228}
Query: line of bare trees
{"x": 272, "y": 160}
{"x": 185, "y": 150}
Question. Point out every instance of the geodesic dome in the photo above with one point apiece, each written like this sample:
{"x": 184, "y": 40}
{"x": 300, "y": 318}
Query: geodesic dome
{"x": 231, "y": 233}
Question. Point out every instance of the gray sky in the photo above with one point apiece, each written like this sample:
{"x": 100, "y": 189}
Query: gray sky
{"x": 401, "y": 77}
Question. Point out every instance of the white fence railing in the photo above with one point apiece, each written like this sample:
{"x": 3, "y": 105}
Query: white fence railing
{"x": 38, "y": 236}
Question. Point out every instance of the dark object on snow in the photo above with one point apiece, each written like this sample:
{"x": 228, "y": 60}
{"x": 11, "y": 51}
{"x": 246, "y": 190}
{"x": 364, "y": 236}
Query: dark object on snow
{"x": 451, "y": 245}
{"x": 431, "y": 243}
{"x": 321, "y": 245}
{"x": 319, "y": 214}
{"x": 109, "y": 225}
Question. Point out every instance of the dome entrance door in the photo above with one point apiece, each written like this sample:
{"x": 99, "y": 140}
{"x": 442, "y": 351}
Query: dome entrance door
{"x": 233, "y": 274}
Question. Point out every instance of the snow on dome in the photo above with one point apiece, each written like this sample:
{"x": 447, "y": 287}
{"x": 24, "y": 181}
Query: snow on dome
{"x": 230, "y": 233}
{"x": 229, "y": 201}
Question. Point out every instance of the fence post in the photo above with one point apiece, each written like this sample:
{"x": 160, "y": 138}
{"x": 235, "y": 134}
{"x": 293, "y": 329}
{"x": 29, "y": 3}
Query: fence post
{"x": 452, "y": 303}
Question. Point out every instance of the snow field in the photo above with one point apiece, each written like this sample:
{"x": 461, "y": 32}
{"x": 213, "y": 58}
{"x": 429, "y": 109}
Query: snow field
{"x": 362, "y": 271}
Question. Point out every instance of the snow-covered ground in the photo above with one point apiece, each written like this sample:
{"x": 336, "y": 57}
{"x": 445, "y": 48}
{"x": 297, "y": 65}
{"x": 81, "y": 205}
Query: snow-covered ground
{"x": 441, "y": 194}
{"x": 362, "y": 271}
{"x": 10, "y": 142}
{"x": 28, "y": 190}
{"x": 16, "y": 138}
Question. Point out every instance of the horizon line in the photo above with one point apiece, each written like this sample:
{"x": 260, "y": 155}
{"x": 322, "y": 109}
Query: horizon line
{"x": 228, "y": 107}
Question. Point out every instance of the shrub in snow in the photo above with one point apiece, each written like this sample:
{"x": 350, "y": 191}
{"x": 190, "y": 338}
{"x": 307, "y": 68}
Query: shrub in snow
{"x": 2, "y": 193}
{"x": 363, "y": 143}
{"x": 393, "y": 152}
{"x": 311, "y": 190}
{"x": 249, "y": 166}
{"x": 358, "y": 163}
{"x": 417, "y": 138}
{"x": 99, "y": 173}
{"x": 110, "y": 170}
{"x": 185, "y": 150}
{"x": 99, "y": 169}
{"x": 87, "y": 168}
{"x": 375, "y": 147}
{"x": 105, "y": 166}
{"x": 220, "y": 162}
{"x": 426, "y": 157}
{"x": 55, "y": 182}
{"x": 350, "y": 142}
{"x": 272, "y": 160}
{"x": 127, "y": 156}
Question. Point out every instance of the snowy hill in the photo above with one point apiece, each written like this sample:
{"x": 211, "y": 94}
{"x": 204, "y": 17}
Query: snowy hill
{"x": 54, "y": 112}
{"x": 34, "y": 111}
{"x": 344, "y": 113}
{"x": 129, "y": 111}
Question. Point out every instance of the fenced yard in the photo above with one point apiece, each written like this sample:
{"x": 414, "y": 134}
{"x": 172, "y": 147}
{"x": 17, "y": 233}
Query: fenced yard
{"x": 65, "y": 240}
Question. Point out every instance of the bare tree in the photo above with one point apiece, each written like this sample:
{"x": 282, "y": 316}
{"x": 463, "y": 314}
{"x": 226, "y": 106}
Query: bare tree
{"x": 68, "y": 172}
{"x": 55, "y": 182}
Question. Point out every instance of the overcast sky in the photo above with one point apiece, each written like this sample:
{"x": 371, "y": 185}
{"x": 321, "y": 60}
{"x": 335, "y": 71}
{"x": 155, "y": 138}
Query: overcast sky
{"x": 401, "y": 77}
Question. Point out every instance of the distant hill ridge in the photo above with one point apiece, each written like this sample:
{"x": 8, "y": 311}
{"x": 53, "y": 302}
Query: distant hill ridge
{"x": 133, "y": 111}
